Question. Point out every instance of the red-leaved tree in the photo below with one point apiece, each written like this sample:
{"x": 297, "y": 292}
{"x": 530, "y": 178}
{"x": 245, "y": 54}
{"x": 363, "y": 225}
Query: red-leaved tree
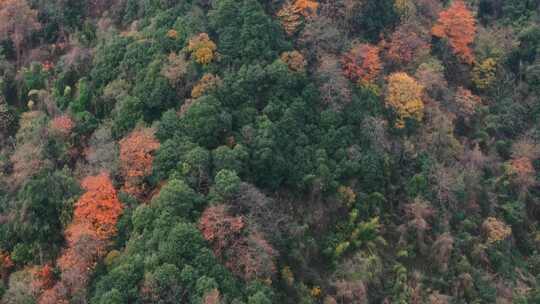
{"x": 362, "y": 63}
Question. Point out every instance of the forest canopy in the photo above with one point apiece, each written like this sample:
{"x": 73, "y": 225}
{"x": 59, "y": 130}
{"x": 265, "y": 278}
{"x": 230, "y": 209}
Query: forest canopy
{"x": 258, "y": 152}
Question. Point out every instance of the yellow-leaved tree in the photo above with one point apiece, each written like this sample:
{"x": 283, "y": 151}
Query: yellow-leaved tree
{"x": 404, "y": 97}
{"x": 484, "y": 73}
{"x": 202, "y": 48}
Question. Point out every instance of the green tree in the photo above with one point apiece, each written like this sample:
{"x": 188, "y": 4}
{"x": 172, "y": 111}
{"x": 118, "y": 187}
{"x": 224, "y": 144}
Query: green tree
{"x": 154, "y": 91}
{"x": 44, "y": 207}
{"x": 227, "y": 183}
{"x": 231, "y": 159}
{"x": 260, "y": 36}
{"x": 374, "y": 17}
{"x": 177, "y": 198}
{"x": 205, "y": 122}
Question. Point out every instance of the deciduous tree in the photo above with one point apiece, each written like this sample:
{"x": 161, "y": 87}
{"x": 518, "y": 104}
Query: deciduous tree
{"x": 6, "y": 264}
{"x": 219, "y": 228}
{"x": 99, "y": 205}
{"x": 202, "y": 48}
{"x": 17, "y": 22}
{"x": 458, "y": 25}
{"x": 294, "y": 60}
{"x": 362, "y": 63}
{"x": 306, "y": 7}
{"x": 290, "y": 20}
{"x": 62, "y": 125}
{"x": 292, "y": 14}
{"x": 207, "y": 82}
{"x": 495, "y": 230}
{"x": 484, "y": 73}
{"x": 466, "y": 102}
{"x": 404, "y": 96}
{"x": 246, "y": 254}
{"x": 406, "y": 44}
{"x": 136, "y": 158}
{"x": 94, "y": 223}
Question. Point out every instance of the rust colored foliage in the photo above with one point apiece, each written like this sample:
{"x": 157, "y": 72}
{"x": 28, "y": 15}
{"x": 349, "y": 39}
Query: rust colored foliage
{"x": 522, "y": 165}
{"x": 289, "y": 19}
{"x": 495, "y": 230}
{"x": 294, "y": 60}
{"x": 94, "y": 223}
{"x": 292, "y": 13}
{"x": 136, "y": 158}
{"x": 47, "y": 66}
{"x": 99, "y": 206}
{"x": 44, "y": 277}
{"x": 306, "y": 7}
{"x": 466, "y": 101}
{"x": 202, "y": 48}
{"x": 362, "y": 63}
{"x": 207, "y": 82}
{"x": 62, "y": 125}
{"x": 524, "y": 171}
{"x": 246, "y": 254}
{"x": 6, "y": 264}
{"x": 212, "y": 297}
{"x": 252, "y": 258}
{"x": 406, "y": 45}
{"x": 219, "y": 228}
{"x": 173, "y": 34}
{"x": 457, "y": 24}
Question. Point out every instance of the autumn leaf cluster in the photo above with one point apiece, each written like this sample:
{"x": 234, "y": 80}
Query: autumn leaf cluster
{"x": 136, "y": 158}
{"x": 458, "y": 25}
{"x": 202, "y": 48}
{"x": 404, "y": 97}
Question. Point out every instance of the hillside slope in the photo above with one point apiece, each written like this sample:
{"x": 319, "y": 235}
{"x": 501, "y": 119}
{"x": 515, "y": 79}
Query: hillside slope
{"x": 269, "y": 151}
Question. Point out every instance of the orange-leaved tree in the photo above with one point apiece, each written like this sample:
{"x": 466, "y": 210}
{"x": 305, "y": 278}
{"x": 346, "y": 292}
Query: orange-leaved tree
{"x": 289, "y": 18}
{"x": 362, "y": 63}
{"x": 457, "y": 24}
{"x": 136, "y": 158}
{"x": 294, "y": 60}
{"x": 94, "y": 223}
{"x": 220, "y": 229}
{"x": 306, "y": 7}
{"x": 6, "y": 264}
{"x": 205, "y": 84}
{"x": 292, "y": 14}
{"x": 99, "y": 205}
{"x": 404, "y": 97}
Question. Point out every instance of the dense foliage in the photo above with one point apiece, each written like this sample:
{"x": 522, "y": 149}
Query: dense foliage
{"x": 257, "y": 152}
